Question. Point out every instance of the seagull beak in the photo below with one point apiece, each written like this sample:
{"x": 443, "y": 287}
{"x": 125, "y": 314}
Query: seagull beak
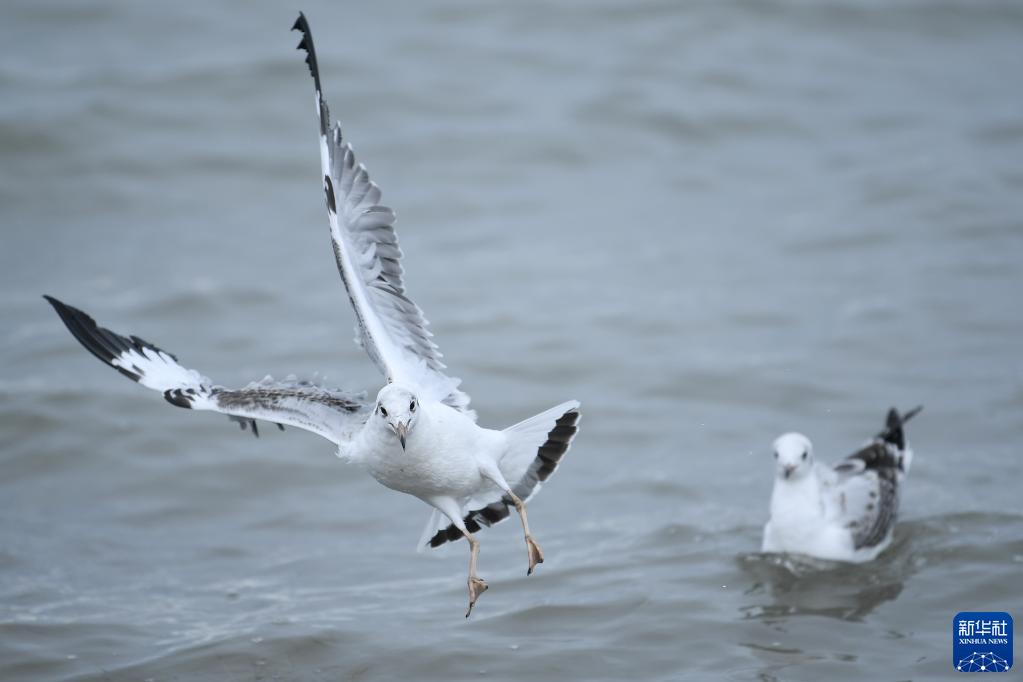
{"x": 788, "y": 471}
{"x": 401, "y": 429}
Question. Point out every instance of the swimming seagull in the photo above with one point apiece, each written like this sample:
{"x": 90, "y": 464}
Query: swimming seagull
{"x": 419, "y": 436}
{"x": 841, "y": 513}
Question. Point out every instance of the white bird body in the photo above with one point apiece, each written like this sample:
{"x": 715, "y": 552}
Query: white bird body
{"x": 441, "y": 456}
{"x": 802, "y": 521}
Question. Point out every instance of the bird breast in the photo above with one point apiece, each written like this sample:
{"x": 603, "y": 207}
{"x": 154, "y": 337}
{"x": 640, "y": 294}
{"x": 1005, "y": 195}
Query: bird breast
{"x": 434, "y": 462}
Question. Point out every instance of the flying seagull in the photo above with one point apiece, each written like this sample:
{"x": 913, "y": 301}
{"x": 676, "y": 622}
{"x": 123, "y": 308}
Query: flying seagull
{"x": 841, "y": 513}
{"x": 419, "y": 436}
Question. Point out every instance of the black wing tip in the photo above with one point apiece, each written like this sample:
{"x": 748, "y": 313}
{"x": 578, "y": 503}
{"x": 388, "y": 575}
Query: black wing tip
{"x": 66, "y": 312}
{"x": 328, "y": 189}
{"x": 906, "y": 416}
{"x": 69, "y": 314}
{"x": 65, "y": 309}
{"x": 105, "y": 346}
{"x": 302, "y": 24}
{"x": 101, "y": 342}
{"x": 894, "y": 418}
{"x": 893, "y": 432}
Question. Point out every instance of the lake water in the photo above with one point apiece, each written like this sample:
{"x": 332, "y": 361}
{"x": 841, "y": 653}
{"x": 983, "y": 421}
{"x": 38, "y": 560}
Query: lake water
{"x": 711, "y": 222}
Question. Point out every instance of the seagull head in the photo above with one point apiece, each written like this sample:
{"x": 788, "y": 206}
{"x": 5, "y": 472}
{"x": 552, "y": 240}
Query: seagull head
{"x": 793, "y": 456}
{"x": 397, "y": 408}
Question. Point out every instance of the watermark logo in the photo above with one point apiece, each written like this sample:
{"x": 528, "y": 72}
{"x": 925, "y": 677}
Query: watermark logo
{"x": 982, "y": 642}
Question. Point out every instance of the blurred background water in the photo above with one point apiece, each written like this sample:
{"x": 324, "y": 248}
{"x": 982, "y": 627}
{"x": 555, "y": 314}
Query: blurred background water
{"x": 711, "y": 222}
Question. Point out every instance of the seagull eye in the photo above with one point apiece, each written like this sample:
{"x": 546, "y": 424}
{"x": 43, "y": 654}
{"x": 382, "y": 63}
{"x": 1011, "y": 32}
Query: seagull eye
{"x": 804, "y": 454}
{"x": 776, "y": 454}
{"x": 383, "y": 412}
{"x": 412, "y": 406}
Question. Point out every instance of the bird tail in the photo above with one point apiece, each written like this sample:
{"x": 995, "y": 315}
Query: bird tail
{"x": 894, "y": 435}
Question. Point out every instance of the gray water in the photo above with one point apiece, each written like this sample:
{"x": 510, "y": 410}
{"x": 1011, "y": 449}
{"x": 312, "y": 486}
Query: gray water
{"x": 710, "y": 222}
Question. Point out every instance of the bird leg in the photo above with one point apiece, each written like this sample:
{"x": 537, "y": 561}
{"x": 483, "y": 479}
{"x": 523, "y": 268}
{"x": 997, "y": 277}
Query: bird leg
{"x": 477, "y": 586}
{"x": 532, "y": 549}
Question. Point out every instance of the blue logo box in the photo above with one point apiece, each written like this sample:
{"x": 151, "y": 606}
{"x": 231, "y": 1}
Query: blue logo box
{"x": 982, "y": 642}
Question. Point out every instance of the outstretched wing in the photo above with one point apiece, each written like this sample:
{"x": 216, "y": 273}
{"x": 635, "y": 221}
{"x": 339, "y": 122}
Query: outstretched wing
{"x": 390, "y": 326}
{"x": 333, "y": 414}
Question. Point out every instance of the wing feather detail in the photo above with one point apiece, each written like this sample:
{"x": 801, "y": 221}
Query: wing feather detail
{"x": 390, "y": 326}
{"x": 333, "y": 414}
{"x": 864, "y": 493}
